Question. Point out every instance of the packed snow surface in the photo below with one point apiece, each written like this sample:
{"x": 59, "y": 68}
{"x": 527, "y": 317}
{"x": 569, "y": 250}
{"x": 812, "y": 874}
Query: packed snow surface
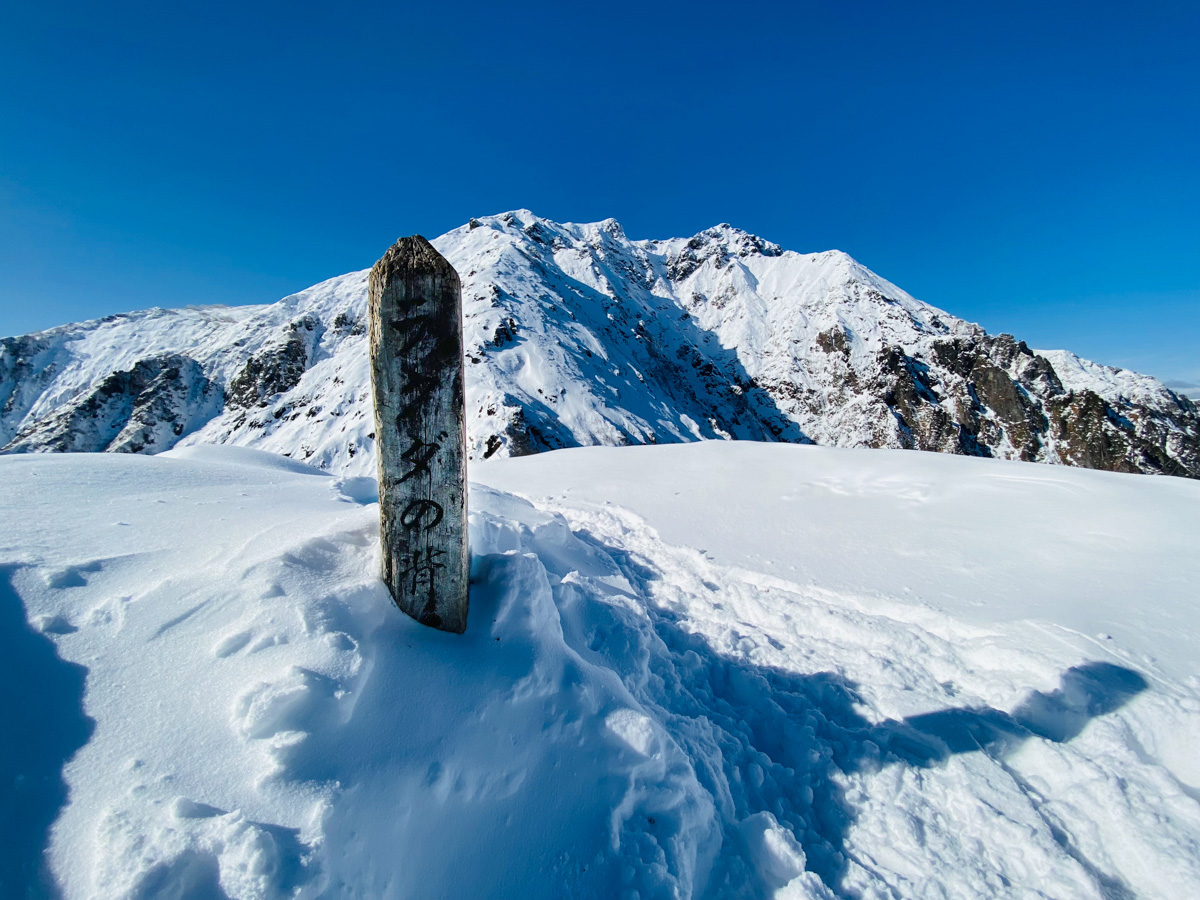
{"x": 718, "y": 670}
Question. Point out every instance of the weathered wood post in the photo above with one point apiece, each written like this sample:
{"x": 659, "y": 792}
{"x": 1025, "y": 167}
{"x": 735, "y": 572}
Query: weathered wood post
{"x": 417, "y": 377}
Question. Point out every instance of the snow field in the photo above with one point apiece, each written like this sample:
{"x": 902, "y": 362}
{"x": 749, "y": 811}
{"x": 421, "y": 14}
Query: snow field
{"x": 714, "y": 670}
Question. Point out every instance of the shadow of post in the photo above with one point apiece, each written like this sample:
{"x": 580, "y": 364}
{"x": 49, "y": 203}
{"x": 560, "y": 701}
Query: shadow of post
{"x": 786, "y": 738}
{"x": 787, "y": 734}
{"x": 44, "y": 725}
{"x": 1086, "y": 691}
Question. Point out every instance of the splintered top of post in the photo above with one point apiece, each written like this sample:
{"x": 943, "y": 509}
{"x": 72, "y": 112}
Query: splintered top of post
{"x": 411, "y": 256}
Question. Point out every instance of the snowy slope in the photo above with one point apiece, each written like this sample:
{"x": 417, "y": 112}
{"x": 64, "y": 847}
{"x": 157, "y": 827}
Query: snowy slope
{"x": 720, "y": 670}
{"x": 577, "y": 336}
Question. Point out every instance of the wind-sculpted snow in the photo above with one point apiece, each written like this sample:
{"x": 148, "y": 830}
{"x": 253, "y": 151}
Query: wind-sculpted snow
{"x": 576, "y": 336}
{"x": 710, "y": 671}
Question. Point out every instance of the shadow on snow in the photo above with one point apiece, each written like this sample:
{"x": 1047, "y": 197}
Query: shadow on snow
{"x": 42, "y": 699}
{"x": 784, "y": 737}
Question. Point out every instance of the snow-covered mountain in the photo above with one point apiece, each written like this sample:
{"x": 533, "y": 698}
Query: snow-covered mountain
{"x": 576, "y": 335}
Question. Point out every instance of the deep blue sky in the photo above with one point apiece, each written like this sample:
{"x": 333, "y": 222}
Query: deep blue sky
{"x": 1034, "y": 167}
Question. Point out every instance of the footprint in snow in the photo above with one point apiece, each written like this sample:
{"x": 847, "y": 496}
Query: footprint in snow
{"x": 53, "y": 625}
{"x": 230, "y": 645}
{"x": 301, "y": 701}
{"x": 184, "y": 808}
{"x": 72, "y": 576}
{"x": 249, "y": 640}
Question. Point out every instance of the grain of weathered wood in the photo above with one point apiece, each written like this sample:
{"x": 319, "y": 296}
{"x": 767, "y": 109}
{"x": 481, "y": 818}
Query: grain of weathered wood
{"x": 417, "y": 378}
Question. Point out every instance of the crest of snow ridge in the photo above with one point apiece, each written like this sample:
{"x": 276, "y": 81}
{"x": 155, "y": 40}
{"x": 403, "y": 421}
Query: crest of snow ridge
{"x": 576, "y": 335}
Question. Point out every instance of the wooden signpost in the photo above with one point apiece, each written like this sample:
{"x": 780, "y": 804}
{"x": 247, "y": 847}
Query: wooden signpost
{"x": 417, "y": 377}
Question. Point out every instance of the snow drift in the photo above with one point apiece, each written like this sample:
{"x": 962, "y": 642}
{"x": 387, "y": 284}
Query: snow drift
{"x": 721, "y": 670}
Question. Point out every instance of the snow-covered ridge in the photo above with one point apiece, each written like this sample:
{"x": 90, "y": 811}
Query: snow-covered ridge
{"x": 576, "y": 335}
{"x": 1115, "y": 385}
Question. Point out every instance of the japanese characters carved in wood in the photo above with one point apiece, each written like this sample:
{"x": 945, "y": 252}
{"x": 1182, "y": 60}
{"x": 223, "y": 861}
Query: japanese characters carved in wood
{"x": 417, "y": 378}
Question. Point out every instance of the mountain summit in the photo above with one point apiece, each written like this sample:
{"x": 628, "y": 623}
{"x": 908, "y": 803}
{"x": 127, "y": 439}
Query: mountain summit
{"x": 576, "y": 335}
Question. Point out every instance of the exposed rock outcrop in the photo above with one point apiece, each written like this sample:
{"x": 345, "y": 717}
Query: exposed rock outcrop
{"x": 145, "y": 409}
{"x": 277, "y": 367}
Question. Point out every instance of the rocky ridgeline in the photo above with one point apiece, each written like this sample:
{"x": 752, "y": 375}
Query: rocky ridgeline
{"x": 575, "y": 335}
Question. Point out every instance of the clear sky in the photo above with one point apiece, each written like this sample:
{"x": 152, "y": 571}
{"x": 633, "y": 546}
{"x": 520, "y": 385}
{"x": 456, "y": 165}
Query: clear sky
{"x": 1034, "y": 167}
